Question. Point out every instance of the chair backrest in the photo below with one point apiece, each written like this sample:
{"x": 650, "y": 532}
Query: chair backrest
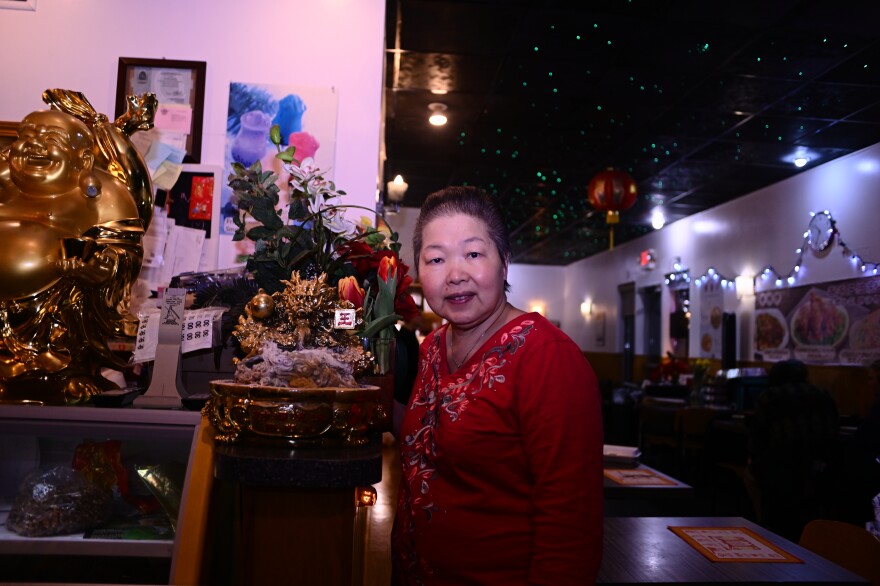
{"x": 845, "y": 544}
{"x": 695, "y": 421}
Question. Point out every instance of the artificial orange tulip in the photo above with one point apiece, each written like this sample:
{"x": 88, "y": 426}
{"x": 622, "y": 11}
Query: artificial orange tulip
{"x": 349, "y": 290}
{"x": 388, "y": 268}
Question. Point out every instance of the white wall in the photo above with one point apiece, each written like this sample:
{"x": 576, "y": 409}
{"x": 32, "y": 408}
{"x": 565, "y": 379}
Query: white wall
{"x": 330, "y": 43}
{"x": 739, "y": 238}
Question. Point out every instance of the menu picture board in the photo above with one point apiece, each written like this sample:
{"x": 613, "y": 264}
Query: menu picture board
{"x": 733, "y": 544}
{"x": 711, "y": 311}
{"x": 825, "y": 323}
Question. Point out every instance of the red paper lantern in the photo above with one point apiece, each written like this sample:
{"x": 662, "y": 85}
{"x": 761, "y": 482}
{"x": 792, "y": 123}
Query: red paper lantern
{"x": 612, "y": 191}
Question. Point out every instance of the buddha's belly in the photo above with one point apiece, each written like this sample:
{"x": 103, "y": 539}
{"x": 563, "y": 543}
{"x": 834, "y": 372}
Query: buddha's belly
{"x": 29, "y": 255}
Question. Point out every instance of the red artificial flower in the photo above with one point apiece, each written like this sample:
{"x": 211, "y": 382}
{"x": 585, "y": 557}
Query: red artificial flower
{"x": 405, "y": 306}
{"x": 391, "y": 267}
{"x": 670, "y": 369}
{"x": 363, "y": 257}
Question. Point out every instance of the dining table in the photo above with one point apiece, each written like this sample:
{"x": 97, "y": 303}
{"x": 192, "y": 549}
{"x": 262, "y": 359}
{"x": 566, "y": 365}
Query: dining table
{"x": 653, "y": 550}
{"x": 641, "y": 490}
{"x": 641, "y": 481}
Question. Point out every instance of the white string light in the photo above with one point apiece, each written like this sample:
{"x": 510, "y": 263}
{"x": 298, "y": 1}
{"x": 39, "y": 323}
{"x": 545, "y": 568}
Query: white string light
{"x": 770, "y": 274}
{"x": 714, "y": 276}
{"x": 678, "y": 277}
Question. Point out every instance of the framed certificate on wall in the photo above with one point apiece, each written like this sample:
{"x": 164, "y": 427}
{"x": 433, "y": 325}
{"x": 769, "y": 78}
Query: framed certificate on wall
{"x": 180, "y": 88}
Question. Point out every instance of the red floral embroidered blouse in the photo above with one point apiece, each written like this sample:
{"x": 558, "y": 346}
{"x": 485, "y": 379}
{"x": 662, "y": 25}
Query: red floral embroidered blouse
{"x": 502, "y": 463}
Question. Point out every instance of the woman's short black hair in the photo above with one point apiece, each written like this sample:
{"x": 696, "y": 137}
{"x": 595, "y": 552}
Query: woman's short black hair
{"x": 470, "y": 201}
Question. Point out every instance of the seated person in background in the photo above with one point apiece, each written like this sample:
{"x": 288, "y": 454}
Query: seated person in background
{"x": 791, "y": 441}
{"x": 859, "y": 471}
{"x": 868, "y": 433}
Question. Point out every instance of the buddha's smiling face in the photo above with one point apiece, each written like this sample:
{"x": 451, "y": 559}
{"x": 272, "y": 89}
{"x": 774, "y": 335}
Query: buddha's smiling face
{"x": 51, "y": 150}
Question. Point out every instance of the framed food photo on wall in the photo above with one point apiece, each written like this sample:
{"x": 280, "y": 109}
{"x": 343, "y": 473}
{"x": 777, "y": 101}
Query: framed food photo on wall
{"x": 835, "y": 322}
{"x": 180, "y": 89}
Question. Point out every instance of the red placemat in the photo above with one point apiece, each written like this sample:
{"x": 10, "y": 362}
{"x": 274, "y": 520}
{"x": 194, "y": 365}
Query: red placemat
{"x": 637, "y": 477}
{"x": 733, "y": 544}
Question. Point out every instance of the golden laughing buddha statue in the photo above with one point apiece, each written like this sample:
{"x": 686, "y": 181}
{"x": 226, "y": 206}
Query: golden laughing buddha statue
{"x": 75, "y": 201}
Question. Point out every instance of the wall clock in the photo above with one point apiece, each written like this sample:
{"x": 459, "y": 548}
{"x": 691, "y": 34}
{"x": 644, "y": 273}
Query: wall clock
{"x": 820, "y": 231}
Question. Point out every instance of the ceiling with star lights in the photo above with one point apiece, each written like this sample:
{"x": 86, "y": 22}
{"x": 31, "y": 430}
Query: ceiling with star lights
{"x": 699, "y": 101}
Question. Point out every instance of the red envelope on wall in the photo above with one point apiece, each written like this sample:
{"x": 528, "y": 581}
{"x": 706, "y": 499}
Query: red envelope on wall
{"x": 201, "y": 198}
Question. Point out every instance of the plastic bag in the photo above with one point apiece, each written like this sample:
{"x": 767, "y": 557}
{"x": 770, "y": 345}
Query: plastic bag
{"x": 166, "y": 481}
{"x": 58, "y": 501}
{"x": 101, "y": 462}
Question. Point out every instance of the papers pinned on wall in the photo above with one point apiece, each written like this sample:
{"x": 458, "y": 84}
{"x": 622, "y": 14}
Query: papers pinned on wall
{"x": 170, "y": 250}
{"x": 183, "y": 252}
{"x": 183, "y": 234}
{"x": 200, "y": 328}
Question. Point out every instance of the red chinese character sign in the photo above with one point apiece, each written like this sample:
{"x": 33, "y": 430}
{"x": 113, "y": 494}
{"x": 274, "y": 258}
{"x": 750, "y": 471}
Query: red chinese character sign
{"x": 612, "y": 191}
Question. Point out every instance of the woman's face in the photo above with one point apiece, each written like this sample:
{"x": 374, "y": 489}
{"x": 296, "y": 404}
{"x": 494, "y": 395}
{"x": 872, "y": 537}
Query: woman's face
{"x": 461, "y": 272}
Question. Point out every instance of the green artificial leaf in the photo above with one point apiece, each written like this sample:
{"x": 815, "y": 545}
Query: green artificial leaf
{"x": 260, "y": 233}
{"x": 285, "y": 233}
{"x": 297, "y": 210}
{"x": 239, "y": 184}
{"x": 265, "y": 217}
{"x": 374, "y": 239}
{"x": 301, "y": 257}
{"x": 269, "y": 275}
{"x": 287, "y": 155}
{"x": 284, "y": 249}
{"x": 379, "y": 324}
{"x": 275, "y": 134}
{"x": 303, "y": 239}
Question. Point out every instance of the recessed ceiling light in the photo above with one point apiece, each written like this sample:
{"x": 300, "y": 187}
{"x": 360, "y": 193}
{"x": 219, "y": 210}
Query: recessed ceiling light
{"x": 658, "y": 219}
{"x": 801, "y": 161}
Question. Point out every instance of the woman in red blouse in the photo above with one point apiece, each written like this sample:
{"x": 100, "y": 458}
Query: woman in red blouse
{"x": 501, "y": 443}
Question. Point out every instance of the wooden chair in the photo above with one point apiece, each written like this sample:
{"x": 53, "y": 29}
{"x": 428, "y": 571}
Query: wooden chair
{"x": 845, "y": 544}
{"x": 691, "y": 425}
{"x": 658, "y": 438}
